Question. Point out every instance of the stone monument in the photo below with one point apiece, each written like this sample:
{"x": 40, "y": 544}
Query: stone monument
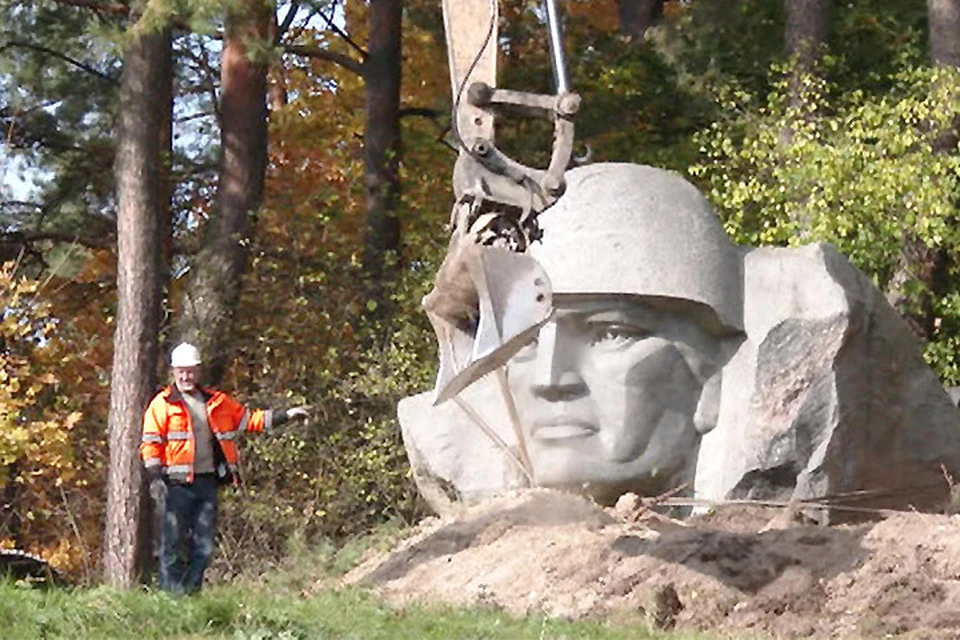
{"x": 677, "y": 360}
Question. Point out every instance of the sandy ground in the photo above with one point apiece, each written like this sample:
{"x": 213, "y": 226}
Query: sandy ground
{"x": 726, "y": 572}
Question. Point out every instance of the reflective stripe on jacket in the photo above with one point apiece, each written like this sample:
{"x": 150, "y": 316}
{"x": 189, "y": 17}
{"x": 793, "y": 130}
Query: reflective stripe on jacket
{"x": 168, "y": 440}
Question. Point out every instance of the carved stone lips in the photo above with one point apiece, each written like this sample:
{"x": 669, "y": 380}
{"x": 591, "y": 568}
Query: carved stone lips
{"x": 562, "y": 429}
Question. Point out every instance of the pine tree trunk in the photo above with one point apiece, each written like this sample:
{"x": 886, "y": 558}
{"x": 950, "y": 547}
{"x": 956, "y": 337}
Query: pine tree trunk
{"x": 917, "y": 261}
{"x": 807, "y": 22}
{"x": 214, "y": 288}
{"x": 805, "y": 32}
{"x": 944, "y": 20}
{"x": 382, "y": 72}
{"x": 143, "y": 204}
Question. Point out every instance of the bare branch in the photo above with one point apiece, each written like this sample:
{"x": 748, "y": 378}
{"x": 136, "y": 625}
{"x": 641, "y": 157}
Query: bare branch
{"x": 317, "y": 53}
{"x": 186, "y": 170}
{"x": 297, "y": 30}
{"x": 435, "y": 117}
{"x": 209, "y": 77}
{"x": 195, "y": 116}
{"x": 328, "y": 18}
{"x": 284, "y": 24}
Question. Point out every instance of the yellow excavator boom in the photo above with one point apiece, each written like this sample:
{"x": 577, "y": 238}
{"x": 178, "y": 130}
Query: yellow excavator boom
{"x": 489, "y": 297}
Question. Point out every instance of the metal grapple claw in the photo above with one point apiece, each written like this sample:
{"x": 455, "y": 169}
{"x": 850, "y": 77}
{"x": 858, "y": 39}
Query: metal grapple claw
{"x": 487, "y": 304}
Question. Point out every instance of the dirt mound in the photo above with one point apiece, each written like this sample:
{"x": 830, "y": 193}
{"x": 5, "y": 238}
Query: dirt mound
{"x": 543, "y": 551}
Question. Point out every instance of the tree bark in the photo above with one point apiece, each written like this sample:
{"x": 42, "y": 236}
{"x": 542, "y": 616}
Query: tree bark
{"x": 636, "y": 16}
{"x": 917, "y": 261}
{"x": 944, "y": 19}
{"x": 143, "y": 199}
{"x": 276, "y": 76}
{"x": 213, "y": 291}
{"x": 805, "y": 32}
{"x": 10, "y": 522}
{"x": 807, "y": 23}
{"x": 382, "y": 72}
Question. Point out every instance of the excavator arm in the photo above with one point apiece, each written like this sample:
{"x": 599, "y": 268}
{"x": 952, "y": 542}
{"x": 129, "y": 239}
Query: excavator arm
{"x": 489, "y": 297}
{"x": 483, "y": 175}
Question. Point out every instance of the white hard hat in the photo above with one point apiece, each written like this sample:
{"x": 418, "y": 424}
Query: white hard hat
{"x": 185, "y": 355}
{"x": 633, "y": 229}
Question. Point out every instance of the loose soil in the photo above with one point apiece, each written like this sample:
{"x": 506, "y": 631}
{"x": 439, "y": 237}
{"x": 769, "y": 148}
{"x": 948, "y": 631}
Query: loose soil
{"x": 727, "y": 572}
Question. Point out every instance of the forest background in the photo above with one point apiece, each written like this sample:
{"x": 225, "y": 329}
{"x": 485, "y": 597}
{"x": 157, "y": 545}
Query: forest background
{"x": 272, "y": 181}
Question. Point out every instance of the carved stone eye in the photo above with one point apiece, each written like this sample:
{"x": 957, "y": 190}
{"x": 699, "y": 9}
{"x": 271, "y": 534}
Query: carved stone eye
{"x": 615, "y": 336}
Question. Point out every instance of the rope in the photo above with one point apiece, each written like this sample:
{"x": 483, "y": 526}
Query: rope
{"x": 490, "y": 433}
{"x": 798, "y": 504}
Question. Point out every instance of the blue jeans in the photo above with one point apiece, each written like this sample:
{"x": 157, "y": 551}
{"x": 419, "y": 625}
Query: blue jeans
{"x": 189, "y": 534}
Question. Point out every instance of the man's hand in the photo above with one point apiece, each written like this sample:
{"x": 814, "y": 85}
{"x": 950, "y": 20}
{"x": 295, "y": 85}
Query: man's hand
{"x": 158, "y": 490}
{"x": 299, "y": 412}
{"x": 282, "y": 416}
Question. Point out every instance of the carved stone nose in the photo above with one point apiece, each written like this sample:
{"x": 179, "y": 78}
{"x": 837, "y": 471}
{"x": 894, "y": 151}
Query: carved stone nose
{"x": 556, "y": 374}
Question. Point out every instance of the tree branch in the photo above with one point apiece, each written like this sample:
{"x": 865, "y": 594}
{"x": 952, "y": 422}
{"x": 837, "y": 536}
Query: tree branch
{"x": 208, "y": 77}
{"x": 433, "y": 116}
{"x": 115, "y": 8}
{"x": 317, "y": 53}
{"x": 56, "y": 54}
{"x": 21, "y": 203}
{"x": 337, "y": 30}
{"x": 287, "y": 21}
{"x": 297, "y": 30}
{"x": 193, "y": 169}
{"x": 119, "y": 9}
{"x": 422, "y": 112}
{"x": 195, "y": 116}
{"x": 20, "y": 237}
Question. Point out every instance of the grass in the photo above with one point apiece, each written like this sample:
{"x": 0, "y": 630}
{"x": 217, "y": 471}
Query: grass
{"x": 257, "y": 612}
{"x": 284, "y": 603}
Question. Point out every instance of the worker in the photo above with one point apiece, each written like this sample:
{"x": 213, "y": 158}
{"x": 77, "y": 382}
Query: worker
{"x": 189, "y": 450}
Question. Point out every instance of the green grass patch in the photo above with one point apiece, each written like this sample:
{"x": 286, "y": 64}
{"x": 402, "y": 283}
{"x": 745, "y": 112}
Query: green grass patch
{"x": 287, "y": 602}
{"x": 259, "y": 613}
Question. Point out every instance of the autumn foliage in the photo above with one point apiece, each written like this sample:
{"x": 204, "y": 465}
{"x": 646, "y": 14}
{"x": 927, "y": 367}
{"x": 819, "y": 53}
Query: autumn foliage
{"x": 46, "y": 468}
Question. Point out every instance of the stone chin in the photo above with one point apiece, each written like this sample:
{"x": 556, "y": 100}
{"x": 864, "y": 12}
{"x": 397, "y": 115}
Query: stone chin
{"x": 579, "y": 464}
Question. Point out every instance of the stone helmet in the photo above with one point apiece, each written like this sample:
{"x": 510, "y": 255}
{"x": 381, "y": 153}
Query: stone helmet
{"x": 632, "y": 229}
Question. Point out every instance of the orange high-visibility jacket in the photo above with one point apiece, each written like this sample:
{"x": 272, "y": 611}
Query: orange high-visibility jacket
{"x": 168, "y": 441}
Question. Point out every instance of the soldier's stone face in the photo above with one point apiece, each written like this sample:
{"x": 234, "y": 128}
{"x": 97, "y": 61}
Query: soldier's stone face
{"x": 607, "y": 394}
